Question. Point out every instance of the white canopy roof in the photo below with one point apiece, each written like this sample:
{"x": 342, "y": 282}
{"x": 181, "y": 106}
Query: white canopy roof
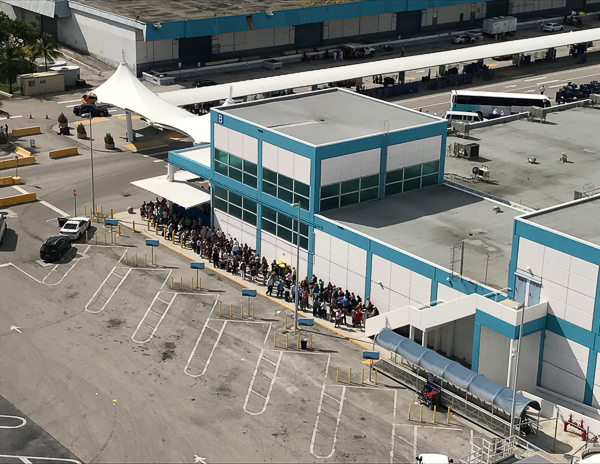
{"x": 370, "y": 68}
{"x": 180, "y": 191}
{"x": 125, "y": 90}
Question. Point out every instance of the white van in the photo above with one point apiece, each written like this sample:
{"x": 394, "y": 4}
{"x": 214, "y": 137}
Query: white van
{"x": 464, "y": 116}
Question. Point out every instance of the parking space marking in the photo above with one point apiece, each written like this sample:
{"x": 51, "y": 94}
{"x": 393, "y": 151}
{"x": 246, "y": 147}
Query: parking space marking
{"x": 321, "y": 412}
{"x": 28, "y": 459}
{"x": 75, "y": 261}
{"x": 193, "y": 353}
{"x": 23, "y": 422}
{"x": 268, "y": 332}
{"x": 166, "y": 279}
{"x": 393, "y": 428}
{"x": 97, "y": 293}
{"x": 161, "y": 317}
{"x": 264, "y": 374}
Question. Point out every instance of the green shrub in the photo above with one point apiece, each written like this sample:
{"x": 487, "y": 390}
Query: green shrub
{"x": 81, "y": 129}
{"x": 62, "y": 118}
{"x": 109, "y": 139}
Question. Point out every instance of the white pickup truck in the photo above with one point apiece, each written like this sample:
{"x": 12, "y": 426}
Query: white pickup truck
{"x": 431, "y": 458}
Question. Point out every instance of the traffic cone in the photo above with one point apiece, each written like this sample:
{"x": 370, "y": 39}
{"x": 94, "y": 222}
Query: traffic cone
{"x": 47, "y": 116}
{"x": 30, "y": 117}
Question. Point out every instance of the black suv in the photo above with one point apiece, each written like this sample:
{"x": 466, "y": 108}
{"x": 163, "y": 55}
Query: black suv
{"x": 203, "y": 83}
{"x": 55, "y": 248}
{"x": 87, "y": 108}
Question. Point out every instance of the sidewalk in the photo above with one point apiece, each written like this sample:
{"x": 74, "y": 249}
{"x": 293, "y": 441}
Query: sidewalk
{"x": 356, "y": 336}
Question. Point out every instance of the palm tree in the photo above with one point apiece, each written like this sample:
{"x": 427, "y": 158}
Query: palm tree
{"x": 46, "y": 47}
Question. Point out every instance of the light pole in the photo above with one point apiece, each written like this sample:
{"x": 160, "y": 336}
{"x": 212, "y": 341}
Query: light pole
{"x": 92, "y": 161}
{"x": 516, "y": 372}
{"x": 294, "y": 205}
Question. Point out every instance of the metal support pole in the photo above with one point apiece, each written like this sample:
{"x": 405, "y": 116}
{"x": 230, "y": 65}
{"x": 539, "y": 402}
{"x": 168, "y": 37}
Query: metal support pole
{"x": 462, "y": 256}
{"x": 297, "y": 269}
{"x": 94, "y": 207}
{"x": 516, "y": 374}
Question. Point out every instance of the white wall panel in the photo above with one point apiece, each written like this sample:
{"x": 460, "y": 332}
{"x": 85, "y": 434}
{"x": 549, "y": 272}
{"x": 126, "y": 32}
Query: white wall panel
{"x": 286, "y": 162}
{"x": 351, "y": 166}
{"x": 445, "y": 293}
{"x": 494, "y": 352}
{"x": 463, "y": 338}
{"x": 557, "y": 258}
{"x": 582, "y": 285}
{"x": 567, "y": 355}
{"x": 579, "y": 301}
{"x": 579, "y": 318}
{"x": 557, "y": 380}
{"x": 413, "y": 153}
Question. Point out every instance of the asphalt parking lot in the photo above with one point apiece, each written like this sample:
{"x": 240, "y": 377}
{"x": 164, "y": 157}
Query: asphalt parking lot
{"x": 118, "y": 366}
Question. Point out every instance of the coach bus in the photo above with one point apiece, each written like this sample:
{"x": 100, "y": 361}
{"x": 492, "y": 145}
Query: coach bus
{"x": 490, "y": 104}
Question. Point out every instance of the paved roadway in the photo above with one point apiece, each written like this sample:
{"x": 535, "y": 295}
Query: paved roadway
{"x": 118, "y": 367}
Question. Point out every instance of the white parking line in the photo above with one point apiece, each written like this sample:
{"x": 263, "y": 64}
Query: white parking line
{"x": 250, "y": 387}
{"x": 69, "y": 101}
{"x": 75, "y": 261}
{"x": 96, "y": 294}
{"x": 393, "y": 427}
{"x": 19, "y": 189}
{"x": 547, "y": 82}
{"x": 337, "y": 424}
{"x": 154, "y": 329}
{"x": 12, "y": 117}
{"x": 166, "y": 278}
{"x": 415, "y": 441}
{"x": 28, "y": 459}
{"x": 54, "y": 208}
{"x": 193, "y": 353}
{"x": 71, "y": 106}
{"x": 23, "y": 422}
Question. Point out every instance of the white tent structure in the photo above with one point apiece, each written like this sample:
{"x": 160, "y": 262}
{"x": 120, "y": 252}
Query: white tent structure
{"x": 389, "y": 66}
{"x": 180, "y": 190}
{"x": 125, "y": 90}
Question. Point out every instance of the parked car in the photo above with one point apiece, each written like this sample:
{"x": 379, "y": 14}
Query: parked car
{"x": 3, "y": 225}
{"x": 463, "y": 38}
{"x": 474, "y": 34}
{"x": 203, "y": 83}
{"x": 75, "y": 227}
{"x": 552, "y": 27}
{"x": 96, "y": 110}
{"x": 55, "y": 248}
{"x": 355, "y": 50}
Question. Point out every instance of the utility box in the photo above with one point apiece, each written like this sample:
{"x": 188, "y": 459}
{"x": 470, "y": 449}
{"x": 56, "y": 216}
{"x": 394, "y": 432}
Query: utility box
{"x": 500, "y": 25}
{"x": 40, "y": 83}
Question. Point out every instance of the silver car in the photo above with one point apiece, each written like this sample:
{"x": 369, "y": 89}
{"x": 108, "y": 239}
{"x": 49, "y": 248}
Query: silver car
{"x": 75, "y": 227}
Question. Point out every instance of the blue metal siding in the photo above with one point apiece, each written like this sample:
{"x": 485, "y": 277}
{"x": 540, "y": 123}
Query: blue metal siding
{"x": 293, "y": 17}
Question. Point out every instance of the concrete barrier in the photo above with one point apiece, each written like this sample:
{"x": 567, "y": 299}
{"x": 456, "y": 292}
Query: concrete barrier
{"x": 18, "y": 199}
{"x": 24, "y": 158}
{"x": 26, "y": 131}
{"x": 71, "y": 151}
{"x": 10, "y": 180}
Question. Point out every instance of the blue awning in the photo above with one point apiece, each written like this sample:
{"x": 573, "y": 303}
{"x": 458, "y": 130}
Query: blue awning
{"x": 453, "y": 372}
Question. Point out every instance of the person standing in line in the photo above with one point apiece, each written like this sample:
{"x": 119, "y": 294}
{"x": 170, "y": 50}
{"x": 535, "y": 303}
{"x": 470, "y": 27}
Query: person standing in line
{"x": 270, "y": 283}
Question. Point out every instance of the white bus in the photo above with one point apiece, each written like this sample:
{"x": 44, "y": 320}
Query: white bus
{"x": 493, "y": 104}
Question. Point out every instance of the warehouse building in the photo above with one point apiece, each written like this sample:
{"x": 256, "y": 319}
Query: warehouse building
{"x": 452, "y": 269}
{"x": 163, "y": 33}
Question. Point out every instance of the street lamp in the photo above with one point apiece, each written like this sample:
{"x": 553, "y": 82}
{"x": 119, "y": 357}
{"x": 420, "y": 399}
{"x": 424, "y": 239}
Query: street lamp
{"x": 92, "y": 162}
{"x": 297, "y": 205}
{"x": 516, "y": 371}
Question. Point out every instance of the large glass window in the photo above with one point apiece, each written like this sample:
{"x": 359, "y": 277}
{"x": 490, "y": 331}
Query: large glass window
{"x": 284, "y": 226}
{"x": 349, "y": 192}
{"x": 411, "y": 178}
{"x": 236, "y": 168}
{"x": 286, "y": 188}
{"x": 234, "y": 204}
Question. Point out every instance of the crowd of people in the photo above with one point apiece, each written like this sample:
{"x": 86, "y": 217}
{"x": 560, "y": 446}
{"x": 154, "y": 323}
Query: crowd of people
{"x": 328, "y": 301}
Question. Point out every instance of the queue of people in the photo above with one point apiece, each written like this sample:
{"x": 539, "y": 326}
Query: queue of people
{"x": 328, "y": 301}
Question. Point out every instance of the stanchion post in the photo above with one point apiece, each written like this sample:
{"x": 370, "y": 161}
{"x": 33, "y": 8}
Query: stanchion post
{"x": 86, "y": 236}
{"x": 230, "y": 309}
{"x": 421, "y": 414}
{"x": 148, "y": 225}
{"x": 111, "y": 213}
{"x": 252, "y": 311}
{"x": 287, "y": 340}
{"x": 136, "y": 260}
{"x": 85, "y": 210}
{"x": 274, "y": 339}
{"x": 119, "y": 228}
{"x": 375, "y": 376}
{"x": 181, "y": 240}
{"x": 448, "y": 416}
{"x": 145, "y": 260}
{"x": 337, "y": 376}
{"x": 242, "y": 311}
{"x": 126, "y": 259}
{"x": 362, "y": 376}
{"x": 434, "y": 413}
{"x": 298, "y": 342}
{"x": 96, "y": 237}
{"x": 133, "y": 225}
{"x": 173, "y": 237}
{"x": 349, "y": 375}
{"x": 409, "y": 410}
{"x": 164, "y": 233}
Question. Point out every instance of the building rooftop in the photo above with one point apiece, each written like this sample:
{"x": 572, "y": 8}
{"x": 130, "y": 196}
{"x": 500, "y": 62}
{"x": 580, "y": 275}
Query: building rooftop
{"x": 153, "y": 11}
{"x": 505, "y": 148}
{"x": 328, "y": 116}
{"x": 580, "y": 220}
{"x": 430, "y": 221}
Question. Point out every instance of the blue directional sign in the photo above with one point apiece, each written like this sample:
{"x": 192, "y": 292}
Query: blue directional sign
{"x": 306, "y": 321}
{"x": 248, "y": 292}
{"x": 196, "y": 265}
{"x": 367, "y": 354}
{"x": 151, "y": 243}
{"x": 111, "y": 222}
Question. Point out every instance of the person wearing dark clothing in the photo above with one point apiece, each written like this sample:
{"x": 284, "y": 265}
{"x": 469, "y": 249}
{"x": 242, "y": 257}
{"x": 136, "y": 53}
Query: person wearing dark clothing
{"x": 216, "y": 258}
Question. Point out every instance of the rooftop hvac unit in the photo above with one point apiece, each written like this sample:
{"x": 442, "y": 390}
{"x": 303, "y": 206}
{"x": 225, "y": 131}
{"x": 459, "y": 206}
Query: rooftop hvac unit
{"x": 466, "y": 150}
{"x": 595, "y": 98}
{"x": 461, "y": 127}
{"x": 481, "y": 173}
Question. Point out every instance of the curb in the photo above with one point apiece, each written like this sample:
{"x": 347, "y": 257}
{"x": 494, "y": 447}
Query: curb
{"x": 274, "y": 300}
